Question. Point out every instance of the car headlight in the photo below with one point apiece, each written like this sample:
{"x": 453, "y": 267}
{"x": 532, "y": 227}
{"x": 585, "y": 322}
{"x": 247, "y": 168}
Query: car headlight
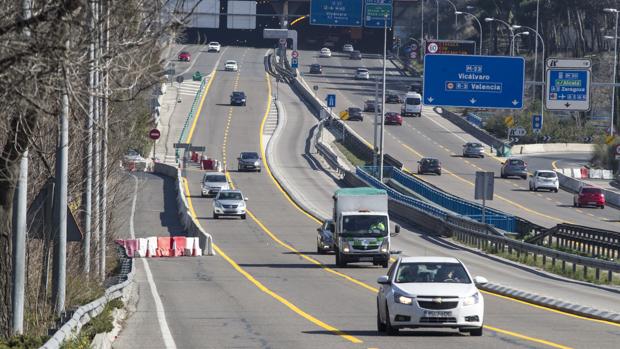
{"x": 217, "y": 204}
{"x": 471, "y": 300}
{"x": 399, "y": 298}
{"x": 242, "y": 205}
{"x": 385, "y": 246}
{"x": 345, "y": 249}
{"x": 256, "y": 163}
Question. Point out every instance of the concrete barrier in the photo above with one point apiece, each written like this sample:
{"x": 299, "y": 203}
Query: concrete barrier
{"x": 552, "y": 148}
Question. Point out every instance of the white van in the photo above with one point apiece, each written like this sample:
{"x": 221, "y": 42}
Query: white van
{"x": 412, "y": 105}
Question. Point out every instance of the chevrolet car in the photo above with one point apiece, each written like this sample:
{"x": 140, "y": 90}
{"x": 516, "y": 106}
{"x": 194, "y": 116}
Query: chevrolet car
{"x": 229, "y": 203}
{"x": 214, "y": 46}
{"x": 248, "y": 161}
{"x": 213, "y": 182}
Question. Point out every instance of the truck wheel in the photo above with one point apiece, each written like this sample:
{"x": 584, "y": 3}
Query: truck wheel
{"x": 384, "y": 264}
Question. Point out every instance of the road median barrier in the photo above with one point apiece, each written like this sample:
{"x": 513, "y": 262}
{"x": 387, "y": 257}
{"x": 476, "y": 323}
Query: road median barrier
{"x": 161, "y": 246}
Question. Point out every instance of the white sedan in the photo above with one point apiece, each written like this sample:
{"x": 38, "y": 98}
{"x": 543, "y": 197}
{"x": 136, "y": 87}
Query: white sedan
{"x": 429, "y": 292}
{"x": 214, "y": 46}
{"x": 362, "y": 74}
{"x": 325, "y": 52}
{"x": 348, "y": 48}
{"x": 231, "y": 66}
{"x": 544, "y": 179}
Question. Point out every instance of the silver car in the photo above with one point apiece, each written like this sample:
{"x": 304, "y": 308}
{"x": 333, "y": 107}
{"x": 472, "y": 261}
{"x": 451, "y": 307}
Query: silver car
{"x": 473, "y": 149}
{"x": 362, "y": 74}
{"x": 229, "y": 203}
{"x": 213, "y": 182}
{"x": 248, "y": 161}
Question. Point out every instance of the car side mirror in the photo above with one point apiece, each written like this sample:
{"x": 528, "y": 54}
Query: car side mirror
{"x": 383, "y": 280}
{"x": 480, "y": 280}
{"x": 246, "y": 199}
{"x": 396, "y": 230}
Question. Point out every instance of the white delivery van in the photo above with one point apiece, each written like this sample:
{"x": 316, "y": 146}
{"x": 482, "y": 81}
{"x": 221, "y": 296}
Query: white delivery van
{"x": 412, "y": 105}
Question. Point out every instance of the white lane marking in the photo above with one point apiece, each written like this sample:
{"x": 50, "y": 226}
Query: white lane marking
{"x": 195, "y": 59}
{"x": 159, "y": 307}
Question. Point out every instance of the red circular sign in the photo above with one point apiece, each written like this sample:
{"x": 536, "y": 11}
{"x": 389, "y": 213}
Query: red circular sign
{"x": 154, "y": 134}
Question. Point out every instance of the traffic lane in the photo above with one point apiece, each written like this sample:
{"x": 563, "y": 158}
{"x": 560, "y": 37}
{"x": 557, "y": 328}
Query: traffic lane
{"x": 201, "y": 61}
{"x": 557, "y": 160}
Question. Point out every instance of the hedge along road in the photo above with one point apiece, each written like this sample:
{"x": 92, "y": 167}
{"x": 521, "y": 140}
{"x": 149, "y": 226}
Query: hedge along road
{"x": 347, "y": 306}
{"x": 433, "y": 136}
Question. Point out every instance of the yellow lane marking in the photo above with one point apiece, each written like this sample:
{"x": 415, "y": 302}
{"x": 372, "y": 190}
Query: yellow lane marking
{"x": 536, "y": 340}
{"x": 190, "y": 134}
{"x": 551, "y": 309}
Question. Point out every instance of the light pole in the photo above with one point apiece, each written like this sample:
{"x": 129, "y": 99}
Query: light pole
{"x": 542, "y": 62}
{"x": 422, "y": 27}
{"x": 518, "y": 34}
{"x": 536, "y": 47}
{"x": 383, "y": 97}
{"x": 477, "y": 21}
{"x": 456, "y": 18}
{"x": 512, "y": 33}
{"x": 437, "y": 19}
{"x": 613, "y": 91}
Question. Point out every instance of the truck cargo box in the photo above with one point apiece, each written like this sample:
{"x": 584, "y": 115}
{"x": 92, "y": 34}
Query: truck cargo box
{"x": 360, "y": 199}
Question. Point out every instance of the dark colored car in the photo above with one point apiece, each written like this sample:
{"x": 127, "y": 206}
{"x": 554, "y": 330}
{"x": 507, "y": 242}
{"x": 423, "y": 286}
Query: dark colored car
{"x": 316, "y": 69}
{"x": 248, "y": 161}
{"x": 393, "y": 98}
{"x": 355, "y": 114}
{"x": 429, "y": 165}
{"x": 185, "y": 56}
{"x": 237, "y": 98}
{"x": 589, "y": 196}
{"x": 393, "y": 118}
{"x": 514, "y": 168}
{"x": 370, "y": 106}
{"x": 357, "y": 55}
{"x": 325, "y": 237}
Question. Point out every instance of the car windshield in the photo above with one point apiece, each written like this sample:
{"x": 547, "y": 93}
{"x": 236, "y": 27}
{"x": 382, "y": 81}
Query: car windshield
{"x": 474, "y": 145}
{"x": 231, "y": 62}
{"x": 229, "y": 196}
{"x": 214, "y": 43}
{"x": 215, "y": 178}
{"x": 249, "y": 156}
{"x": 591, "y": 190}
{"x": 430, "y": 161}
{"x": 363, "y": 226}
{"x": 391, "y": 115}
{"x": 431, "y": 272}
{"x": 238, "y": 94}
{"x": 413, "y": 100}
{"x": 315, "y": 66}
{"x": 547, "y": 174}
{"x": 354, "y": 110}
{"x": 515, "y": 162}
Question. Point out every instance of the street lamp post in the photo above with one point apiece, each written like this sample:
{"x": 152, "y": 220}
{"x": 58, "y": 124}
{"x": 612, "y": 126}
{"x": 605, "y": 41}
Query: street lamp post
{"x": 477, "y": 21}
{"x": 385, "y": 18}
{"x": 613, "y": 91}
{"x": 542, "y": 62}
{"x": 514, "y": 38}
{"x": 512, "y": 33}
{"x": 456, "y": 19}
{"x": 437, "y": 19}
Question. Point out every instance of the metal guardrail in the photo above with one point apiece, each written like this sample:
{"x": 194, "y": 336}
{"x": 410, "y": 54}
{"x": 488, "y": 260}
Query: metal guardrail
{"x": 85, "y": 313}
{"x": 191, "y": 114}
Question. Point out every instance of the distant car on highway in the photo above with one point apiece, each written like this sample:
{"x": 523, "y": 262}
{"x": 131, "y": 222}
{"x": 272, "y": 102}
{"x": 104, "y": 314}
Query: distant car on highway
{"x": 316, "y": 69}
{"x": 362, "y": 74}
{"x": 544, "y": 179}
{"x": 325, "y": 237}
{"x": 393, "y": 118}
{"x": 429, "y": 165}
{"x": 393, "y": 98}
{"x": 412, "y": 105}
{"x": 430, "y": 292}
{"x": 248, "y": 161}
{"x": 238, "y": 98}
{"x": 185, "y": 56}
{"x": 214, "y": 46}
{"x": 213, "y": 182}
{"x": 229, "y": 203}
{"x": 347, "y": 48}
{"x": 325, "y": 52}
{"x": 589, "y": 196}
{"x": 231, "y": 65}
{"x": 357, "y": 55}
{"x": 473, "y": 149}
{"x": 371, "y": 106}
{"x": 514, "y": 168}
{"x": 355, "y": 114}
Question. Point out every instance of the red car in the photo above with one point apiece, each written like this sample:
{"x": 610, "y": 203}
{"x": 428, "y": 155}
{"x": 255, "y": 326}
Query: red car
{"x": 392, "y": 118}
{"x": 589, "y": 196}
{"x": 185, "y": 56}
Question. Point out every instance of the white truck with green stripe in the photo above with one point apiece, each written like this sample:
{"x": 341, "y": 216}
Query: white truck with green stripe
{"x": 362, "y": 226}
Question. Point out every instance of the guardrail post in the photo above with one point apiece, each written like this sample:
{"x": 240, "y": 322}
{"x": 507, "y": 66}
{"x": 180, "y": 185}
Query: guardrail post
{"x": 597, "y": 274}
{"x": 610, "y": 276}
{"x": 574, "y": 268}
{"x": 544, "y": 260}
{"x": 585, "y": 272}
{"x": 563, "y": 265}
{"x": 553, "y": 262}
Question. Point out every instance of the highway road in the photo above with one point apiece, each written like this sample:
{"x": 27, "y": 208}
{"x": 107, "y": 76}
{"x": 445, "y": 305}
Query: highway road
{"x": 433, "y": 136}
{"x": 266, "y": 287}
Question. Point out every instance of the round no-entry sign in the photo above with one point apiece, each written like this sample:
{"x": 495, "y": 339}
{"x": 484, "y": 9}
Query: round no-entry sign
{"x": 618, "y": 149}
{"x": 294, "y": 54}
{"x": 154, "y": 134}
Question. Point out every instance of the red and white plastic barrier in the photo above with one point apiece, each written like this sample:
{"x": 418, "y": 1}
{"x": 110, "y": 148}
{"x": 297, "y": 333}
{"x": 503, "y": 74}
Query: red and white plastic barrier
{"x": 162, "y": 246}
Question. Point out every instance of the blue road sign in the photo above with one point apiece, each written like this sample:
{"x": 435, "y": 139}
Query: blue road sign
{"x": 294, "y": 63}
{"x": 537, "y": 123}
{"x": 492, "y": 82}
{"x": 375, "y": 11}
{"x": 336, "y": 12}
{"x": 331, "y": 101}
{"x": 568, "y": 89}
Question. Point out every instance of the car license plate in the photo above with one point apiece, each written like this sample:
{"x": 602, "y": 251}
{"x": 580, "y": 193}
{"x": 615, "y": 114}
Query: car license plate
{"x": 428, "y": 313}
{"x": 366, "y": 259}
{"x": 592, "y": 203}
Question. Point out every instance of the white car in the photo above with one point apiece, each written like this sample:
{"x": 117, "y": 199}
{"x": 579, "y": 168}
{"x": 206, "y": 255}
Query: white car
{"x": 347, "y": 48}
{"x": 325, "y": 52}
{"x": 214, "y": 46}
{"x": 362, "y": 74}
{"x": 229, "y": 203}
{"x": 213, "y": 182}
{"x": 231, "y": 66}
{"x": 429, "y": 292}
{"x": 544, "y": 179}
